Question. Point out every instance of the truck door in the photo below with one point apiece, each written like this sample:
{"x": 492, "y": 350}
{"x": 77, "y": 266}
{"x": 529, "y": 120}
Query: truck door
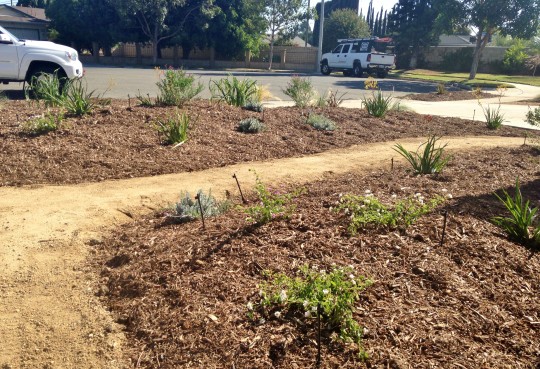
{"x": 346, "y": 57}
{"x": 9, "y": 59}
{"x": 334, "y": 58}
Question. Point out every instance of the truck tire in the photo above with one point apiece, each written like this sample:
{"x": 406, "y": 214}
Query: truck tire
{"x": 325, "y": 69}
{"x": 48, "y": 69}
{"x": 357, "y": 70}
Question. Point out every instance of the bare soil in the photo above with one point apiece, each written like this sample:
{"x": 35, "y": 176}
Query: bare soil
{"x": 50, "y": 315}
{"x": 120, "y": 141}
{"x": 449, "y": 96}
{"x": 182, "y": 291}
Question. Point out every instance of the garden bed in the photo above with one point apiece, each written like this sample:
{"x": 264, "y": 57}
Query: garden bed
{"x": 183, "y": 292}
{"x": 120, "y": 140}
{"x": 449, "y": 96}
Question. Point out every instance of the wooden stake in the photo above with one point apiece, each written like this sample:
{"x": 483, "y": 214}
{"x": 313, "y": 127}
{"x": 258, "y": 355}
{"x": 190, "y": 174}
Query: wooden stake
{"x": 319, "y": 335}
{"x": 198, "y": 198}
{"x": 239, "y": 189}
{"x": 444, "y": 227}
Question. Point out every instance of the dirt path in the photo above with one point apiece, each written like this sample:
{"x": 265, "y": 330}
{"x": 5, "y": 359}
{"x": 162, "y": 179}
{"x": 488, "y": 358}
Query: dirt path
{"x": 49, "y": 315}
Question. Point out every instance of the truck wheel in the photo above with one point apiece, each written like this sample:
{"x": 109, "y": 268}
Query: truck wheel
{"x": 382, "y": 73}
{"x": 357, "y": 70}
{"x": 325, "y": 69}
{"x": 47, "y": 70}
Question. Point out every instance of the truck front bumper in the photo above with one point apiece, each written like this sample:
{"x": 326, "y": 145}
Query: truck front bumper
{"x": 74, "y": 69}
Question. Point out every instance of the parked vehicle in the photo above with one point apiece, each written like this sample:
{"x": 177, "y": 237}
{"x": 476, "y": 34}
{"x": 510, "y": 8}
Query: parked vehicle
{"x": 359, "y": 55}
{"x": 20, "y": 60}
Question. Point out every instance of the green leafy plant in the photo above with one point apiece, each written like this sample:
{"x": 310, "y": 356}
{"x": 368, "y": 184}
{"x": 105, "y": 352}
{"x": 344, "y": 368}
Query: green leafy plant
{"x": 254, "y": 106}
{"x": 522, "y": 225}
{"x": 368, "y": 211}
{"x": 43, "y": 124}
{"x": 301, "y": 91}
{"x": 174, "y": 129}
{"x": 533, "y": 117}
{"x": 250, "y": 125}
{"x": 272, "y": 204}
{"x": 144, "y": 100}
{"x": 515, "y": 57}
{"x": 49, "y": 88}
{"x": 427, "y": 161}
{"x": 176, "y": 87}
{"x": 78, "y": 100}
{"x": 188, "y": 209}
{"x": 234, "y": 91}
{"x": 377, "y": 105}
{"x": 331, "y": 294}
{"x": 320, "y": 122}
{"x": 494, "y": 118}
{"x": 441, "y": 89}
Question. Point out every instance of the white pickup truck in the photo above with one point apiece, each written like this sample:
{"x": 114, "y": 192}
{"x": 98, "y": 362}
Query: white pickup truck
{"x": 20, "y": 60}
{"x": 354, "y": 56}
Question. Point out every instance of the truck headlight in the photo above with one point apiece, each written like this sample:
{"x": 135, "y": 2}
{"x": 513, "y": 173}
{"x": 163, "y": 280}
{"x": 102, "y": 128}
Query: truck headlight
{"x": 71, "y": 55}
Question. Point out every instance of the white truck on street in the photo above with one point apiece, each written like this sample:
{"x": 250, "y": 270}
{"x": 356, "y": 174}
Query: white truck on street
{"x": 355, "y": 56}
{"x": 20, "y": 60}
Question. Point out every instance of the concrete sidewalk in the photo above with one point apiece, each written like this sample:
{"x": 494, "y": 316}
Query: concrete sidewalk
{"x": 514, "y": 115}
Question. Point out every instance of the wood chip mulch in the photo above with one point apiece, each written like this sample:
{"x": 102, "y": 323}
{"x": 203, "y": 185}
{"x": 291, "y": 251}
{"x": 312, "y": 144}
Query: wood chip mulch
{"x": 473, "y": 302}
{"x": 450, "y": 96}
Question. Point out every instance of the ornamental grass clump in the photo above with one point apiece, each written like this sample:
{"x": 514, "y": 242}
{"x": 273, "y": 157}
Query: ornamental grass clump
{"x": 332, "y": 295}
{"x": 369, "y": 212}
{"x": 174, "y": 129}
{"x": 176, "y": 87}
{"x": 378, "y": 105}
{"x": 494, "y": 118}
{"x": 47, "y": 87}
{"x": 320, "y": 122}
{"x": 234, "y": 91}
{"x": 188, "y": 209}
{"x": 430, "y": 160}
{"x": 250, "y": 125}
{"x": 78, "y": 101}
{"x": 522, "y": 225}
{"x": 301, "y": 91}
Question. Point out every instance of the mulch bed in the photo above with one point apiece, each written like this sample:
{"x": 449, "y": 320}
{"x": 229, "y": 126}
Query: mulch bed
{"x": 120, "y": 141}
{"x": 473, "y": 302}
{"x": 449, "y": 96}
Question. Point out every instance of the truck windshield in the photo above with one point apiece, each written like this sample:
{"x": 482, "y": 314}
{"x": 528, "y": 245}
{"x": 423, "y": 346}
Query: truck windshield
{"x": 5, "y": 32}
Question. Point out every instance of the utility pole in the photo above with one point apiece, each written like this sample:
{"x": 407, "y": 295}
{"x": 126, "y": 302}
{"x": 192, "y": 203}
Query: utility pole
{"x": 321, "y": 26}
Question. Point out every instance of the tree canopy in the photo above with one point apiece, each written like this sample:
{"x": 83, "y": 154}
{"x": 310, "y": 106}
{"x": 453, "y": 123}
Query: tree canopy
{"x": 343, "y": 23}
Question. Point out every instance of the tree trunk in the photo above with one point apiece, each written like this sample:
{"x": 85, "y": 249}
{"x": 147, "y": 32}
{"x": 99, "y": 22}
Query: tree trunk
{"x": 271, "y": 50}
{"x": 414, "y": 60}
{"x": 481, "y": 43}
{"x": 155, "y": 45}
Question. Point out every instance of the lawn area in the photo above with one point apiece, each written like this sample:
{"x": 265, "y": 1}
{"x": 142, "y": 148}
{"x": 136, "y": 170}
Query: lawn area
{"x": 482, "y": 79}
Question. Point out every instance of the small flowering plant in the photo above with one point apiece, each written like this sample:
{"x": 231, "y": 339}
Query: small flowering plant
{"x": 335, "y": 291}
{"x": 368, "y": 211}
{"x": 272, "y": 204}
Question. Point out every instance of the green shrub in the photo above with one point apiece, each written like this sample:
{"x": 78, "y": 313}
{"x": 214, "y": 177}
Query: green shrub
{"x": 250, "y": 125}
{"x": 254, "y": 106}
{"x": 494, "y": 118}
{"x": 46, "y": 123}
{"x": 514, "y": 58}
{"x": 174, "y": 129}
{"x": 49, "y": 88}
{"x": 368, "y": 211}
{"x": 301, "y": 91}
{"x": 176, "y": 88}
{"x": 457, "y": 61}
{"x": 335, "y": 292}
{"x": 377, "y": 105}
{"x": 187, "y": 209}
{"x": 272, "y": 204}
{"x": 234, "y": 91}
{"x": 522, "y": 225}
{"x": 320, "y": 122}
{"x": 533, "y": 117}
{"x": 431, "y": 159}
{"x": 77, "y": 100}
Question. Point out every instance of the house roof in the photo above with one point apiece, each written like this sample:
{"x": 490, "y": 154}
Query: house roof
{"x": 19, "y": 14}
{"x": 296, "y": 41}
{"x": 454, "y": 40}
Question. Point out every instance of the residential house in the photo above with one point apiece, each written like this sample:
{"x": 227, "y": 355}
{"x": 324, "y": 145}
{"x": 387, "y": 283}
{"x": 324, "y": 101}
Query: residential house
{"x": 25, "y": 23}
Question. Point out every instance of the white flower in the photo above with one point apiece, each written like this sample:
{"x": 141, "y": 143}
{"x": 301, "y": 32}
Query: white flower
{"x": 314, "y": 309}
{"x": 325, "y": 291}
{"x": 250, "y": 306}
{"x": 449, "y": 196}
{"x": 369, "y": 195}
{"x": 306, "y": 303}
{"x": 307, "y": 314}
{"x": 277, "y": 314}
{"x": 351, "y": 276}
{"x": 283, "y": 296}
{"x": 444, "y": 190}
{"x": 393, "y": 196}
{"x": 418, "y": 194}
{"x": 368, "y": 191}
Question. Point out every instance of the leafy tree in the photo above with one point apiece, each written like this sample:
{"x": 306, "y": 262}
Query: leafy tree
{"x": 517, "y": 18}
{"x": 32, "y": 3}
{"x": 283, "y": 17}
{"x": 412, "y": 26}
{"x": 155, "y": 20}
{"x": 329, "y": 7}
{"x": 343, "y": 23}
{"x": 515, "y": 57}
